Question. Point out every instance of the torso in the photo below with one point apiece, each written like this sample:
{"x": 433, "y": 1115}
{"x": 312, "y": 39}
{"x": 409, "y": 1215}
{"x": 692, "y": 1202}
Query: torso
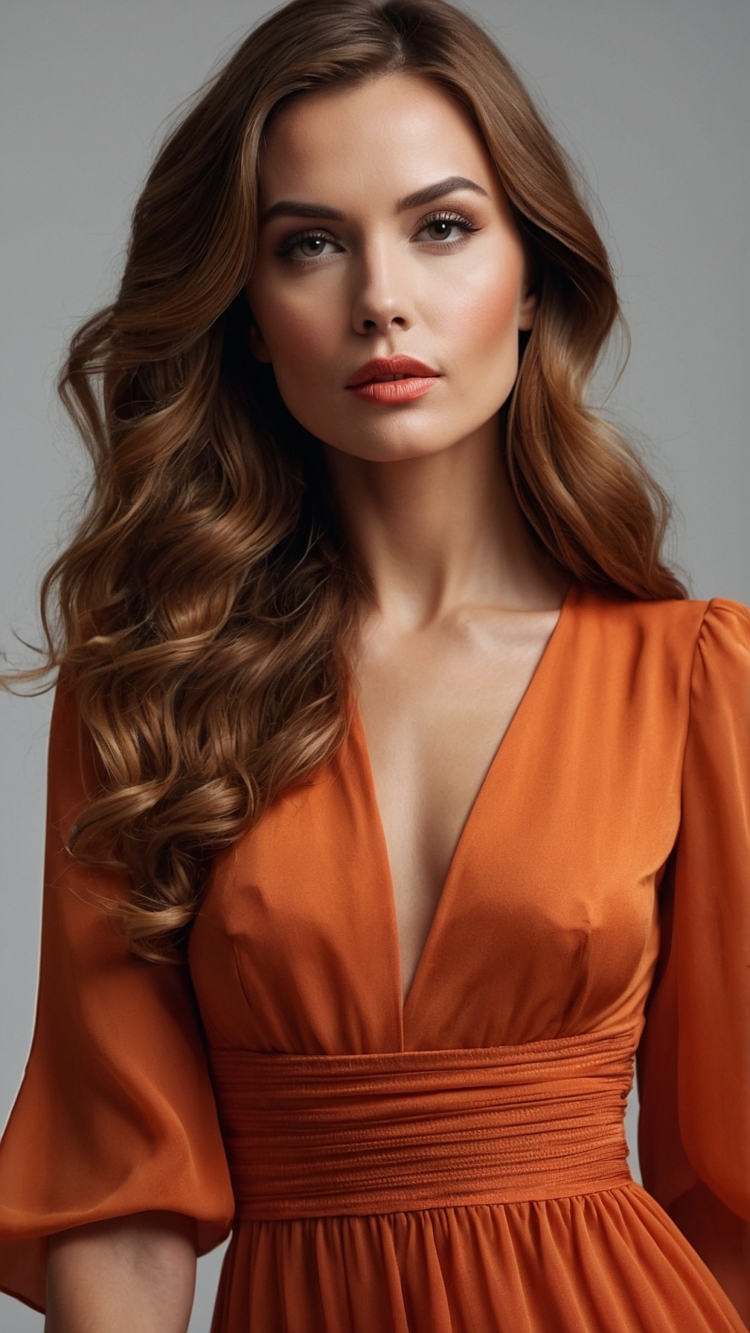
{"x": 435, "y": 706}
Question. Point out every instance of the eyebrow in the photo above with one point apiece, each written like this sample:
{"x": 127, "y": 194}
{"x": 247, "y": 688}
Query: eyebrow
{"x": 296, "y": 209}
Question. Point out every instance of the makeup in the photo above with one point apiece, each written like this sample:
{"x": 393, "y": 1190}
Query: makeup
{"x": 396, "y": 379}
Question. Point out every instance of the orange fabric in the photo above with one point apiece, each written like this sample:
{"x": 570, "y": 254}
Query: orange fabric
{"x": 601, "y": 882}
{"x": 324, "y": 1135}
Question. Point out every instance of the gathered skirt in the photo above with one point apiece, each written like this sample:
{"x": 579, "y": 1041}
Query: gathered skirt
{"x": 541, "y": 1228}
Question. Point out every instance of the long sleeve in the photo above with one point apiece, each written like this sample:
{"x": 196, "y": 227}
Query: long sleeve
{"x": 694, "y": 1059}
{"x": 116, "y": 1113}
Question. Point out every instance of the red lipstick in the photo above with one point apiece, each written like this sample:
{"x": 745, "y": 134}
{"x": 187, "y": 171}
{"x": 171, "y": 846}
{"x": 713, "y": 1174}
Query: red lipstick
{"x": 393, "y": 379}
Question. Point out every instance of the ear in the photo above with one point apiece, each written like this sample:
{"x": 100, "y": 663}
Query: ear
{"x": 257, "y": 345}
{"x": 527, "y": 309}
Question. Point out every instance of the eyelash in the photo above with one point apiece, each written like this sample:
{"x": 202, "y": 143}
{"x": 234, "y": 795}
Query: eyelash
{"x": 454, "y": 219}
{"x": 457, "y": 220}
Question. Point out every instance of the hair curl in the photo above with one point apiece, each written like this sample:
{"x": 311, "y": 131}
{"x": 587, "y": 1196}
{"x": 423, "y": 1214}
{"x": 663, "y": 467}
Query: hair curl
{"x": 204, "y": 612}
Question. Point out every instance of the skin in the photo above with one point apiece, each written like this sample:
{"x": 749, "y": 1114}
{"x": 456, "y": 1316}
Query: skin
{"x": 130, "y": 1275}
{"x": 465, "y": 601}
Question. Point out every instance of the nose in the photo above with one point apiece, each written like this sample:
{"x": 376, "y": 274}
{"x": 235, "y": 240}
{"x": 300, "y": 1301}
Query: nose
{"x": 380, "y": 299}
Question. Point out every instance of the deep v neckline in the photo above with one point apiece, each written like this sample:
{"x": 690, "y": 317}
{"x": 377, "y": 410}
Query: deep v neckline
{"x": 442, "y": 907}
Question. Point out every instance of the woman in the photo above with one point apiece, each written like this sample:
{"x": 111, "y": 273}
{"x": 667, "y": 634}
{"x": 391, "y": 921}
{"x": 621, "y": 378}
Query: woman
{"x": 393, "y": 779}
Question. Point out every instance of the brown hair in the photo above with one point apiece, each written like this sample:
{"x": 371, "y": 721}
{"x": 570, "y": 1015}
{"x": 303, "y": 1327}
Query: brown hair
{"x": 204, "y": 613}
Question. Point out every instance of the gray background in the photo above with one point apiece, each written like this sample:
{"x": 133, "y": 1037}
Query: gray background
{"x": 651, "y": 97}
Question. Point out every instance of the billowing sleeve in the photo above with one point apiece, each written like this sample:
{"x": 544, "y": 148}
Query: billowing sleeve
{"x": 116, "y": 1113}
{"x": 694, "y": 1057}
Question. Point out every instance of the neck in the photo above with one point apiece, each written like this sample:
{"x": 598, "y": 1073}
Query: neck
{"x": 443, "y": 530}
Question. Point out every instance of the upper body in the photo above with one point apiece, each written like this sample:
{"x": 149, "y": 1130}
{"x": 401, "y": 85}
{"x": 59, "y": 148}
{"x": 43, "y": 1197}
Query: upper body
{"x": 599, "y": 886}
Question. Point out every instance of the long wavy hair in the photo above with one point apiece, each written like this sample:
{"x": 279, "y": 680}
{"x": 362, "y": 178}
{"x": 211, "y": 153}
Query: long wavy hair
{"x": 205, "y": 612}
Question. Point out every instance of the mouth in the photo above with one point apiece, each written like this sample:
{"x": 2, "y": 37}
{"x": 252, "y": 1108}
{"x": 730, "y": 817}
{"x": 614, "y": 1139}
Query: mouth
{"x": 387, "y": 370}
{"x": 393, "y": 380}
{"x": 386, "y": 379}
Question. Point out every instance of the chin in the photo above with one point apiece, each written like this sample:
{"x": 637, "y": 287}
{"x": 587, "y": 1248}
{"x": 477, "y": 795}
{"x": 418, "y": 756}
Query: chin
{"x": 395, "y": 450}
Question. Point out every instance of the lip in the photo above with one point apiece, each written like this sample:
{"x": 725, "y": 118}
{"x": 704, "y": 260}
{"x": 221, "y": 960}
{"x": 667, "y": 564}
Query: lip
{"x": 381, "y": 368}
{"x": 372, "y": 384}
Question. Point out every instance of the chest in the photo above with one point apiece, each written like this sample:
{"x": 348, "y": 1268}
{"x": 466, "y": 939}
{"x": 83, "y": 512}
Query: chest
{"x": 433, "y": 713}
{"x": 545, "y": 920}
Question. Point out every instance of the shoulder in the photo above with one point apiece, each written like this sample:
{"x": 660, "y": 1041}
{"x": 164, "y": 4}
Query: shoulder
{"x": 722, "y": 655}
{"x": 680, "y": 625}
{"x": 665, "y": 643}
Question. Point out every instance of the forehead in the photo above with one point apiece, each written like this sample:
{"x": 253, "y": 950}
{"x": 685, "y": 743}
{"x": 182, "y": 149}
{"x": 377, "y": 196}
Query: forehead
{"x": 392, "y": 132}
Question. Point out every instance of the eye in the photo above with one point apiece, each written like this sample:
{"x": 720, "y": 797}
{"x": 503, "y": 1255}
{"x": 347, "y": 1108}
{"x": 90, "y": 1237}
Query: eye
{"x": 305, "y": 246}
{"x": 444, "y": 226}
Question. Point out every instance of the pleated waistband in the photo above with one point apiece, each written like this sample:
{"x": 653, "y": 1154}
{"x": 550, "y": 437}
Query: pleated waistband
{"x": 320, "y": 1136}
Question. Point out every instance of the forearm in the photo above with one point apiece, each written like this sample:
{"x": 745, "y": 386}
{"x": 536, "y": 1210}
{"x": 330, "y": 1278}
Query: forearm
{"x": 130, "y": 1275}
{"x": 721, "y": 1239}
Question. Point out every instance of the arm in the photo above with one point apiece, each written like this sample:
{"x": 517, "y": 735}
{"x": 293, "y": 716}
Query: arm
{"x": 694, "y": 1077}
{"x": 130, "y": 1275}
{"x": 116, "y": 1116}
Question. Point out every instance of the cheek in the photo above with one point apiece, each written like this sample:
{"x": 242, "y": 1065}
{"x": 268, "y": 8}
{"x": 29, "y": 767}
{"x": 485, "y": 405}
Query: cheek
{"x": 301, "y": 331}
{"x": 490, "y": 316}
{"x": 296, "y": 325}
{"x": 484, "y": 310}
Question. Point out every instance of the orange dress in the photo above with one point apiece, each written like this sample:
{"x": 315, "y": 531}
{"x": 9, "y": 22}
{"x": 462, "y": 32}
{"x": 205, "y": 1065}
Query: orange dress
{"x": 454, "y": 1163}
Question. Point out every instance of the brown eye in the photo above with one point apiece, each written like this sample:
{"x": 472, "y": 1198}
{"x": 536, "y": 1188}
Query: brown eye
{"x": 448, "y": 228}
{"x": 440, "y": 229}
{"x": 311, "y": 246}
{"x": 302, "y": 248}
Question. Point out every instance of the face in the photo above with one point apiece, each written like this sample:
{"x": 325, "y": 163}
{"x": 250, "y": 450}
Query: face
{"x": 385, "y": 234}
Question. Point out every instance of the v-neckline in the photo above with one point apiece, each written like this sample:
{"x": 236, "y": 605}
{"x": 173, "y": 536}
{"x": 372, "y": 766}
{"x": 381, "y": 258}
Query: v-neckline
{"x": 443, "y": 902}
